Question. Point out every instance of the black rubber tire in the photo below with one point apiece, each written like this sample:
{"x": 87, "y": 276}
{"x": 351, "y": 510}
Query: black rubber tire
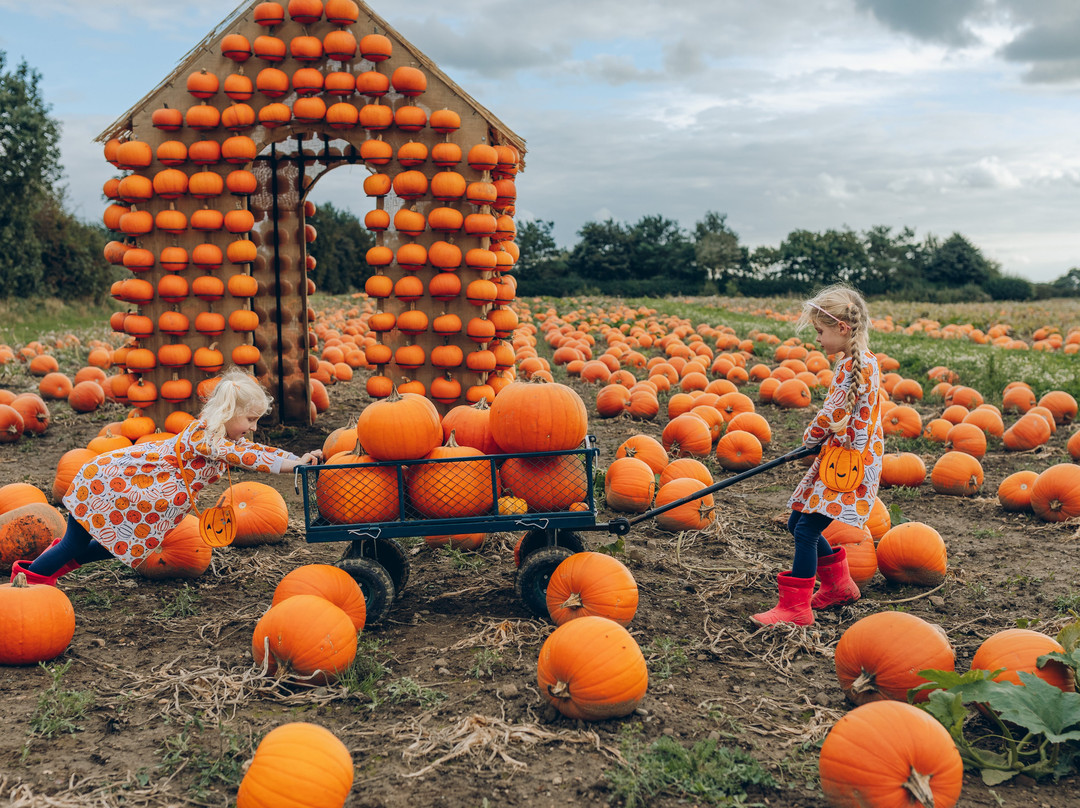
{"x": 532, "y": 579}
{"x": 388, "y": 553}
{"x": 537, "y": 539}
{"x": 375, "y": 583}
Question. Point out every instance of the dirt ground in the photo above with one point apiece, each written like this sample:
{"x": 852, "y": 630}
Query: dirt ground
{"x": 451, "y": 715}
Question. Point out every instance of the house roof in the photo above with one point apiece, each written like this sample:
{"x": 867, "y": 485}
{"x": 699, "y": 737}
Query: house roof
{"x": 122, "y": 125}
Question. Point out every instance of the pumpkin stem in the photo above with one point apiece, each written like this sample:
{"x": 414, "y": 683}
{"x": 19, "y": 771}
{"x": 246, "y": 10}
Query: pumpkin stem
{"x": 19, "y": 582}
{"x": 864, "y": 681}
{"x": 560, "y": 690}
{"x": 919, "y": 786}
{"x": 451, "y": 442}
{"x": 572, "y": 602}
{"x": 481, "y": 404}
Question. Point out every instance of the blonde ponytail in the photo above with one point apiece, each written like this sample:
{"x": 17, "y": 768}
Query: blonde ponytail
{"x": 237, "y": 393}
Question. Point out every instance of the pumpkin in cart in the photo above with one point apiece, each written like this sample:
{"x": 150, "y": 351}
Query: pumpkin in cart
{"x": 538, "y": 417}
{"x": 453, "y": 489}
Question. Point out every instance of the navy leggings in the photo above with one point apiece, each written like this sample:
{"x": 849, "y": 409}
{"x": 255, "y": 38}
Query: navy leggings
{"x": 809, "y": 543}
{"x": 77, "y": 545}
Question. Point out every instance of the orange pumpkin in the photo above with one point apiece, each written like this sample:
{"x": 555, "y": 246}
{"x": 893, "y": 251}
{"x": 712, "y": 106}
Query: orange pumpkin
{"x": 879, "y": 656}
{"x": 1055, "y": 494}
{"x": 329, "y": 582}
{"x": 1016, "y": 650}
{"x": 537, "y": 417}
{"x": 260, "y": 513}
{"x": 958, "y": 474}
{"x": 182, "y": 553}
{"x": 592, "y": 669}
{"x": 36, "y": 622}
{"x": 696, "y": 514}
{"x": 453, "y": 489}
{"x": 629, "y": 485}
{"x": 912, "y": 553}
{"x": 592, "y": 584}
{"x": 297, "y": 759}
{"x": 308, "y": 635}
{"x": 1014, "y": 492}
{"x": 365, "y": 494}
{"x": 644, "y": 448}
{"x": 403, "y": 426}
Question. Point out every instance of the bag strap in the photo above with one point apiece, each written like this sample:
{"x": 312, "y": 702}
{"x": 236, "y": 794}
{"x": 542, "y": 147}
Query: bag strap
{"x": 187, "y": 486}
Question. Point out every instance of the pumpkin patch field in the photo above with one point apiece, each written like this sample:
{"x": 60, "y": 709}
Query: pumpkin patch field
{"x": 199, "y": 679}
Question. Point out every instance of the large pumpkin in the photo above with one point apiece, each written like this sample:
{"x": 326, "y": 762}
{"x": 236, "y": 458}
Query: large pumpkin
{"x": 182, "y": 553}
{"x": 912, "y": 553}
{"x": 351, "y": 495}
{"x": 329, "y": 582}
{"x": 261, "y": 515}
{"x": 880, "y": 656}
{"x": 592, "y": 584}
{"x": 299, "y": 765}
{"x": 1055, "y": 494}
{"x": 888, "y": 754}
{"x": 958, "y": 474}
{"x": 26, "y": 531}
{"x": 592, "y": 669}
{"x": 1017, "y": 650}
{"x": 448, "y": 490}
{"x": 307, "y": 634}
{"x": 402, "y": 426}
{"x": 36, "y": 622}
{"x": 538, "y": 417}
{"x": 629, "y": 485}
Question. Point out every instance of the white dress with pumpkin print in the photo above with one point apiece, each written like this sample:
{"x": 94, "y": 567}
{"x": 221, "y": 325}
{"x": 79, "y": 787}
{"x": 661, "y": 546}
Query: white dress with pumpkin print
{"x": 128, "y": 499}
{"x": 864, "y": 434}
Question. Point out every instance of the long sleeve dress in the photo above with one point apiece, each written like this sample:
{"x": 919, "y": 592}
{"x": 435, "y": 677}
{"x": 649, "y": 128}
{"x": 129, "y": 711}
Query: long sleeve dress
{"x": 128, "y": 499}
{"x": 863, "y": 432}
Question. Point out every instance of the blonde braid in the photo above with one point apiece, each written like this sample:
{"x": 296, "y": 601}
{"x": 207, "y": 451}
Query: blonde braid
{"x": 860, "y": 342}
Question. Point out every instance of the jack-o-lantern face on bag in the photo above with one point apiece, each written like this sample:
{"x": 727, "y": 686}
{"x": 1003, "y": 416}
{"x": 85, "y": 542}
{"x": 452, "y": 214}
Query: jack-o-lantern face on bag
{"x": 217, "y": 526}
{"x": 841, "y": 468}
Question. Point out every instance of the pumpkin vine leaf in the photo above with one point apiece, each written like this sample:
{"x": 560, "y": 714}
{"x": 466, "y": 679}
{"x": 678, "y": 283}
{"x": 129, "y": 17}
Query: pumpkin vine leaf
{"x": 1035, "y": 726}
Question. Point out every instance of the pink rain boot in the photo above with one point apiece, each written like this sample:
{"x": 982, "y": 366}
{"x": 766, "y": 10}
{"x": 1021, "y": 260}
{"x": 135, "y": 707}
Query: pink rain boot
{"x": 32, "y": 577}
{"x": 794, "y": 605}
{"x": 837, "y": 588}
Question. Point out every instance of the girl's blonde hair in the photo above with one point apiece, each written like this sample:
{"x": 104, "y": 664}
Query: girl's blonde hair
{"x": 236, "y": 394}
{"x": 831, "y": 306}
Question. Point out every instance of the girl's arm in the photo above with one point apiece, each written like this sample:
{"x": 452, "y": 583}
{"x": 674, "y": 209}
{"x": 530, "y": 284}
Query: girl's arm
{"x": 249, "y": 455}
{"x": 832, "y": 412}
{"x": 310, "y": 457}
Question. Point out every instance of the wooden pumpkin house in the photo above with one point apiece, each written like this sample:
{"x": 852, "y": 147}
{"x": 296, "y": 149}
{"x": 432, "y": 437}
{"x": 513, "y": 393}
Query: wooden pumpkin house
{"x": 209, "y": 213}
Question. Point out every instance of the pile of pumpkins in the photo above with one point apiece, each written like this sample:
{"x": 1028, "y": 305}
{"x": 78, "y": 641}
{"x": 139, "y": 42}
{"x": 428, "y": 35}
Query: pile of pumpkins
{"x": 524, "y": 417}
{"x": 902, "y": 751}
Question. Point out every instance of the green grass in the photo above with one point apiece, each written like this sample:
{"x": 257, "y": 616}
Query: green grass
{"x": 1069, "y": 603}
{"x": 665, "y": 657}
{"x": 36, "y": 319}
{"x": 185, "y": 603}
{"x": 59, "y": 710}
{"x": 703, "y": 774}
{"x": 213, "y": 767}
{"x": 486, "y": 663}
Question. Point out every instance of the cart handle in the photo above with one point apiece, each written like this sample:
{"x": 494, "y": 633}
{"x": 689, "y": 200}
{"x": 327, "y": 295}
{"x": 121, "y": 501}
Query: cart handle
{"x": 622, "y": 525}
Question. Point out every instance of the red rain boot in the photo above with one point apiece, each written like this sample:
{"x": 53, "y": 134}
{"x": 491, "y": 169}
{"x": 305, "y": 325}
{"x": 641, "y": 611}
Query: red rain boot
{"x": 794, "y": 605}
{"x": 837, "y": 588}
{"x": 32, "y": 577}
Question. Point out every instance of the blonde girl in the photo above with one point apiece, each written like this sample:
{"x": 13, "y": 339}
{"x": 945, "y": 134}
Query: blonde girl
{"x": 850, "y": 417}
{"x": 122, "y": 503}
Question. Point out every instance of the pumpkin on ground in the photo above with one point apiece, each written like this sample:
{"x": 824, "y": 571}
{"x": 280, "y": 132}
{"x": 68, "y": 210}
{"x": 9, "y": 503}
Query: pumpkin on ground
{"x": 66, "y": 469}
{"x": 878, "y": 521}
{"x": 1015, "y": 651}
{"x": 696, "y": 514}
{"x": 592, "y": 669}
{"x": 329, "y": 582}
{"x": 26, "y": 531}
{"x": 888, "y": 754}
{"x": 300, "y": 765}
{"x": 646, "y": 448}
{"x": 958, "y": 474}
{"x": 36, "y": 622}
{"x": 262, "y": 517}
{"x": 905, "y": 469}
{"x": 1055, "y": 494}
{"x": 1014, "y": 492}
{"x": 592, "y": 584}
{"x": 912, "y": 553}
{"x": 629, "y": 485}
{"x": 880, "y": 656}
{"x": 15, "y": 495}
{"x": 182, "y": 553}
{"x": 308, "y": 635}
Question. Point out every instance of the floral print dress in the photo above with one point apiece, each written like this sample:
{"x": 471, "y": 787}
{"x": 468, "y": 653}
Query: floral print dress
{"x": 863, "y": 433}
{"x": 128, "y": 499}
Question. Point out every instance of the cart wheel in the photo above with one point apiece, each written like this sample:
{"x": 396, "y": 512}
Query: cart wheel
{"x": 388, "y": 553}
{"x": 375, "y": 583}
{"x": 537, "y": 539}
{"x": 532, "y": 578}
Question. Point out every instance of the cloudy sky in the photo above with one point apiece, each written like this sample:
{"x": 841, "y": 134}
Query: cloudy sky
{"x": 958, "y": 116}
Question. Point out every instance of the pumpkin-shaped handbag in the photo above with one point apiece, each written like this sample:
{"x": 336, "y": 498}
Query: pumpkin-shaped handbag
{"x": 841, "y": 468}
{"x": 217, "y": 525}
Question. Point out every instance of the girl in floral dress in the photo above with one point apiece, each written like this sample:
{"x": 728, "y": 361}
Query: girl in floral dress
{"x": 122, "y": 503}
{"x": 850, "y": 417}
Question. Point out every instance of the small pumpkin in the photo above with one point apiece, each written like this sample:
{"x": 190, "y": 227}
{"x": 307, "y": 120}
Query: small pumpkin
{"x": 592, "y": 669}
{"x": 912, "y": 553}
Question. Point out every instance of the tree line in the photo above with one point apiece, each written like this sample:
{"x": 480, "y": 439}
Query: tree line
{"x": 45, "y": 251}
{"x": 656, "y": 257}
